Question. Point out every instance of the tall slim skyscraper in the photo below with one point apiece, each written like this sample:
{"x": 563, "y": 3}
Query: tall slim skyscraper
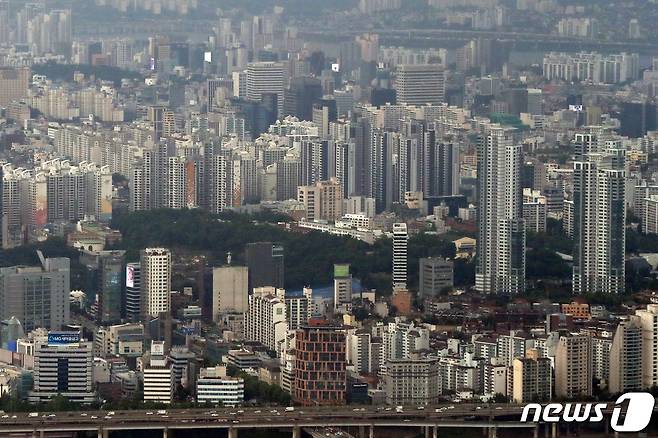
{"x": 420, "y": 84}
{"x": 501, "y": 229}
{"x": 599, "y": 219}
{"x": 155, "y": 273}
{"x": 133, "y": 291}
{"x": 110, "y": 276}
{"x": 400, "y": 243}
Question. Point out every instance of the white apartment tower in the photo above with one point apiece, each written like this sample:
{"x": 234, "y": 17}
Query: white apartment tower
{"x": 400, "y": 243}
{"x": 501, "y": 229}
{"x": 649, "y": 324}
{"x": 265, "y": 320}
{"x": 155, "y": 272}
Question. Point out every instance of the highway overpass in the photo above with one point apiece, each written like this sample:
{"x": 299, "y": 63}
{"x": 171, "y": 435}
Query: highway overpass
{"x": 367, "y": 419}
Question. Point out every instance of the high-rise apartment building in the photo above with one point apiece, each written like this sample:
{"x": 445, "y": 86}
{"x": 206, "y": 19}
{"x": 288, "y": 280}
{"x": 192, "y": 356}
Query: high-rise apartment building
{"x": 649, "y": 322}
{"x": 501, "y": 231}
{"x": 319, "y": 372}
{"x": 626, "y": 357}
{"x": 265, "y": 320}
{"x": 573, "y": 366}
{"x": 531, "y": 379}
{"x": 420, "y": 84}
{"x": 37, "y": 295}
{"x": 400, "y": 244}
{"x": 534, "y": 210}
{"x": 14, "y": 83}
{"x": 155, "y": 281}
{"x": 599, "y": 218}
{"x": 322, "y": 201}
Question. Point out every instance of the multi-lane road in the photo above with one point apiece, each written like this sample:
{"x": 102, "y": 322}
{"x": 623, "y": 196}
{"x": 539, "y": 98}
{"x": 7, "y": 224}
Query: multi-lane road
{"x": 249, "y": 418}
{"x": 491, "y": 417}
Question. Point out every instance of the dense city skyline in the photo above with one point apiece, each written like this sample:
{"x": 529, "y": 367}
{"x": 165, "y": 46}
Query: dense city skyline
{"x": 390, "y": 209}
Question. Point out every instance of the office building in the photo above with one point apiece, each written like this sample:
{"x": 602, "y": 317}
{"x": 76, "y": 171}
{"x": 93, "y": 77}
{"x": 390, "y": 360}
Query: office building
{"x": 158, "y": 375}
{"x": 435, "y": 276}
{"x": 265, "y": 263}
{"x": 266, "y": 78}
{"x": 412, "y": 382}
{"x": 110, "y": 291}
{"x": 215, "y": 387}
{"x": 37, "y": 295}
{"x": 63, "y": 367}
{"x": 133, "y": 291}
{"x": 501, "y": 232}
{"x": 300, "y": 96}
{"x": 342, "y": 288}
{"x": 183, "y": 365}
{"x": 319, "y": 372}
{"x": 400, "y": 243}
{"x": 626, "y": 357}
{"x": 230, "y": 288}
{"x": 573, "y": 366}
{"x": 599, "y": 220}
{"x": 155, "y": 281}
{"x": 420, "y": 84}
{"x": 531, "y": 379}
